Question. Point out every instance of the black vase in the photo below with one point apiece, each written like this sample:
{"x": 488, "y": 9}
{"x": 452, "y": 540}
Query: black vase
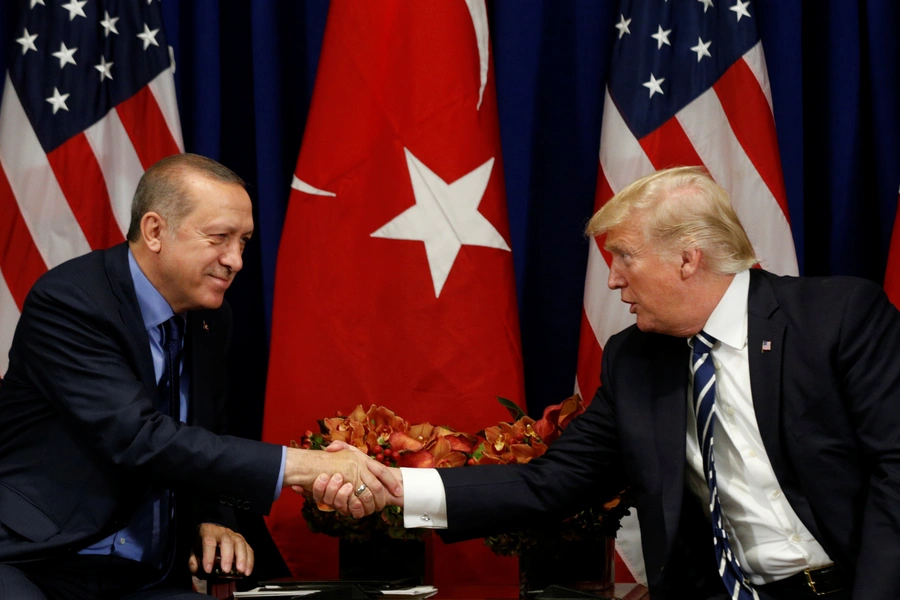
{"x": 585, "y": 565}
{"x": 385, "y": 559}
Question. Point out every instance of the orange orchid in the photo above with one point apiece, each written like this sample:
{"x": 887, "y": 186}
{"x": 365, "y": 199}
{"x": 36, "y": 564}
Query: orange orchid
{"x": 557, "y": 417}
{"x": 345, "y": 430}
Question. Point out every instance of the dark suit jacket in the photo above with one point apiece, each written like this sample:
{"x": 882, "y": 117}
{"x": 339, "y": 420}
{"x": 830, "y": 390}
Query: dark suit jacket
{"x": 827, "y": 401}
{"x": 81, "y": 442}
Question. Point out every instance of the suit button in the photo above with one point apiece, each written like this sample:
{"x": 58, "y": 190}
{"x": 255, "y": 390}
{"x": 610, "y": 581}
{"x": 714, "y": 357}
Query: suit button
{"x": 223, "y": 499}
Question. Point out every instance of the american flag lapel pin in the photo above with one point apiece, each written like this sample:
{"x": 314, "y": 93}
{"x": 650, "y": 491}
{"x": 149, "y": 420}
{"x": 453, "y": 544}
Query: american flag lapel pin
{"x": 205, "y": 327}
{"x": 766, "y": 345}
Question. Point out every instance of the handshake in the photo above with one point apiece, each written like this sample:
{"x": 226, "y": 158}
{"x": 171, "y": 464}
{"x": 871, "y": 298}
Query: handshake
{"x": 345, "y": 478}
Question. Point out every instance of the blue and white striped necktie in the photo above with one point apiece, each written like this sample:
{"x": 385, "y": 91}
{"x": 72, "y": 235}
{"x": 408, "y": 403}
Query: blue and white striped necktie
{"x": 704, "y": 373}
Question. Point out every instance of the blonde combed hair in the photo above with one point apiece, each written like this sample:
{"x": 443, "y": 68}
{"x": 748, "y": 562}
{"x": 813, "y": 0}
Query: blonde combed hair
{"x": 681, "y": 208}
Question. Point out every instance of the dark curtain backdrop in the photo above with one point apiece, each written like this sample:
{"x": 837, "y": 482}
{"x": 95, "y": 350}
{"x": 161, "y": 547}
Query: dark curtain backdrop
{"x": 245, "y": 75}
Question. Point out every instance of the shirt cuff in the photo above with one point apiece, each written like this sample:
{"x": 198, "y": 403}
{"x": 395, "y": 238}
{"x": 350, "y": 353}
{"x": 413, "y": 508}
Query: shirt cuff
{"x": 424, "y": 499}
{"x": 280, "y": 482}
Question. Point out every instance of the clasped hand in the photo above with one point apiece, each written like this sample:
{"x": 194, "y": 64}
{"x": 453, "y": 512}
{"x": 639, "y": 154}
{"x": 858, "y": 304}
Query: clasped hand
{"x": 347, "y": 479}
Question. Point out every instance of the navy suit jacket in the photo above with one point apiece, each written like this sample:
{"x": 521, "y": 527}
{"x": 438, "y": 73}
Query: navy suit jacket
{"x": 81, "y": 442}
{"x": 827, "y": 401}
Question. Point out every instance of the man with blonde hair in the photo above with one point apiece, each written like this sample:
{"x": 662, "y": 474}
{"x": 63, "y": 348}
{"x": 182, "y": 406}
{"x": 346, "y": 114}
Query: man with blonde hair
{"x": 796, "y": 380}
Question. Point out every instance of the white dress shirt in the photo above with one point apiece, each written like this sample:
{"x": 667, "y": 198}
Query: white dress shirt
{"x": 766, "y": 534}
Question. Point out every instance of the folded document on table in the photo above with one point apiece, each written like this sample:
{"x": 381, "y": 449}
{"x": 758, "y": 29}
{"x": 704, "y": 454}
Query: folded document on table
{"x": 336, "y": 591}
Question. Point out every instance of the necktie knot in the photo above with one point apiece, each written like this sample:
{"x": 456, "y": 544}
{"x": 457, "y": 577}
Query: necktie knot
{"x": 703, "y": 343}
{"x": 173, "y": 330}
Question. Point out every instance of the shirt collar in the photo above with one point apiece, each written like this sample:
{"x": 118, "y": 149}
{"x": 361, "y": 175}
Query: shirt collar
{"x": 154, "y": 308}
{"x": 728, "y": 322}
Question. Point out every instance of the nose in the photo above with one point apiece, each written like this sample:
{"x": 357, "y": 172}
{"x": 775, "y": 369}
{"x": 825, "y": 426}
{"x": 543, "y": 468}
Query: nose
{"x": 615, "y": 280}
{"x": 232, "y": 257}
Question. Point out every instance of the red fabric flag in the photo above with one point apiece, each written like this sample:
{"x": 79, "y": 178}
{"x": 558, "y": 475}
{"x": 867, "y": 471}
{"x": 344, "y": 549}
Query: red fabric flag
{"x": 395, "y": 281}
{"x": 88, "y": 104}
{"x": 892, "y": 274}
{"x": 686, "y": 88}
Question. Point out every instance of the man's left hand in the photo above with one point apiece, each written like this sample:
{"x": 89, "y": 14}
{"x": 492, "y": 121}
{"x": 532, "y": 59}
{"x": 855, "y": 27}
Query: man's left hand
{"x": 233, "y": 550}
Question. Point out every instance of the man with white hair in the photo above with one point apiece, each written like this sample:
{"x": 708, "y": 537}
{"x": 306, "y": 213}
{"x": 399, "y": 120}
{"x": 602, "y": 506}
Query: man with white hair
{"x": 795, "y": 379}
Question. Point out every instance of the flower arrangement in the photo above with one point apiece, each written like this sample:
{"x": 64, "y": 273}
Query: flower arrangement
{"x": 526, "y": 439}
{"x": 390, "y": 439}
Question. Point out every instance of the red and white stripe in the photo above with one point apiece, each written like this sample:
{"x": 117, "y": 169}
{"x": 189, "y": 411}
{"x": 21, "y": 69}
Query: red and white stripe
{"x": 77, "y": 198}
{"x": 730, "y": 130}
{"x": 892, "y": 274}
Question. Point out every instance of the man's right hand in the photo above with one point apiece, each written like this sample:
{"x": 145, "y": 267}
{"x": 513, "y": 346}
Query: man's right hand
{"x": 343, "y": 469}
{"x": 334, "y": 492}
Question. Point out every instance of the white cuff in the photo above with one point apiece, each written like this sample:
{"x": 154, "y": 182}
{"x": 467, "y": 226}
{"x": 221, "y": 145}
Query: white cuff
{"x": 424, "y": 499}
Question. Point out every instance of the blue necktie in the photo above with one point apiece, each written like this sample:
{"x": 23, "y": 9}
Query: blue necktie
{"x": 705, "y": 410}
{"x": 170, "y": 400}
{"x": 169, "y": 388}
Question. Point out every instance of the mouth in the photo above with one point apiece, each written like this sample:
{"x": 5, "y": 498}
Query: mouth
{"x": 223, "y": 282}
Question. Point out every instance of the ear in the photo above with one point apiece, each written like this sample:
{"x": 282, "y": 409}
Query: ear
{"x": 153, "y": 227}
{"x": 690, "y": 262}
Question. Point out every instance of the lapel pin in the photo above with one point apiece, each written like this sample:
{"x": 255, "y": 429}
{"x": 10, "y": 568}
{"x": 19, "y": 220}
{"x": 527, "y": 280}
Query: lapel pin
{"x": 766, "y": 345}
{"x": 205, "y": 327}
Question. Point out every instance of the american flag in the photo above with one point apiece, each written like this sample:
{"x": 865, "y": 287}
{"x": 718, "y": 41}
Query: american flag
{"x": 688, "y": 86}
{"x": 88, "y": 104}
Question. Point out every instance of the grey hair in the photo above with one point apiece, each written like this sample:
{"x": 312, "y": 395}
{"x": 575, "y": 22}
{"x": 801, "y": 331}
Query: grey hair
{"x": 161, "y": 189}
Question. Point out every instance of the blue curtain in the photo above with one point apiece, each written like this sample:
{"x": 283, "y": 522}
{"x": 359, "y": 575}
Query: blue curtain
{"x": 245, "y": 74}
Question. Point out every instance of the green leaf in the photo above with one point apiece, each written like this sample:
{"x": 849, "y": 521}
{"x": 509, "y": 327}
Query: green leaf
{"x": 479, "y": 451}
{"x": 514, "y": 410}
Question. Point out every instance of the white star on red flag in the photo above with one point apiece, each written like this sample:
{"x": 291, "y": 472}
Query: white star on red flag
{"x": 445, "y": 217}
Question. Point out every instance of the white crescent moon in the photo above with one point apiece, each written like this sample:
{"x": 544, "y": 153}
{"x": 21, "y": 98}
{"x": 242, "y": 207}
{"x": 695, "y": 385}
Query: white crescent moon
{"x": 478, "y": 12}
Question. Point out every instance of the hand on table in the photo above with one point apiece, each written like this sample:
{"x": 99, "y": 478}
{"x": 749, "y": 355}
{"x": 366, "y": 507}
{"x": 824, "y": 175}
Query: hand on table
{"x": 233, "y": 550}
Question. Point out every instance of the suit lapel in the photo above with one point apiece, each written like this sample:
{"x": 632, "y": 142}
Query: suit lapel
{"x": 766, "y": 352}
{"x": 119, "y": 275}
{"x": 199, "y": 359}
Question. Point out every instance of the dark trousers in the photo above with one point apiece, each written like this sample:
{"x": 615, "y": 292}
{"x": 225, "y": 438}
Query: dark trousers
{"x": 85, "y": 577}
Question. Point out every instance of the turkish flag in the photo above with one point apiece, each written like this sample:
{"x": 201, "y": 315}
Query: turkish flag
{"x": 395, "y": 282}
{"x": 892, "y": 274}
